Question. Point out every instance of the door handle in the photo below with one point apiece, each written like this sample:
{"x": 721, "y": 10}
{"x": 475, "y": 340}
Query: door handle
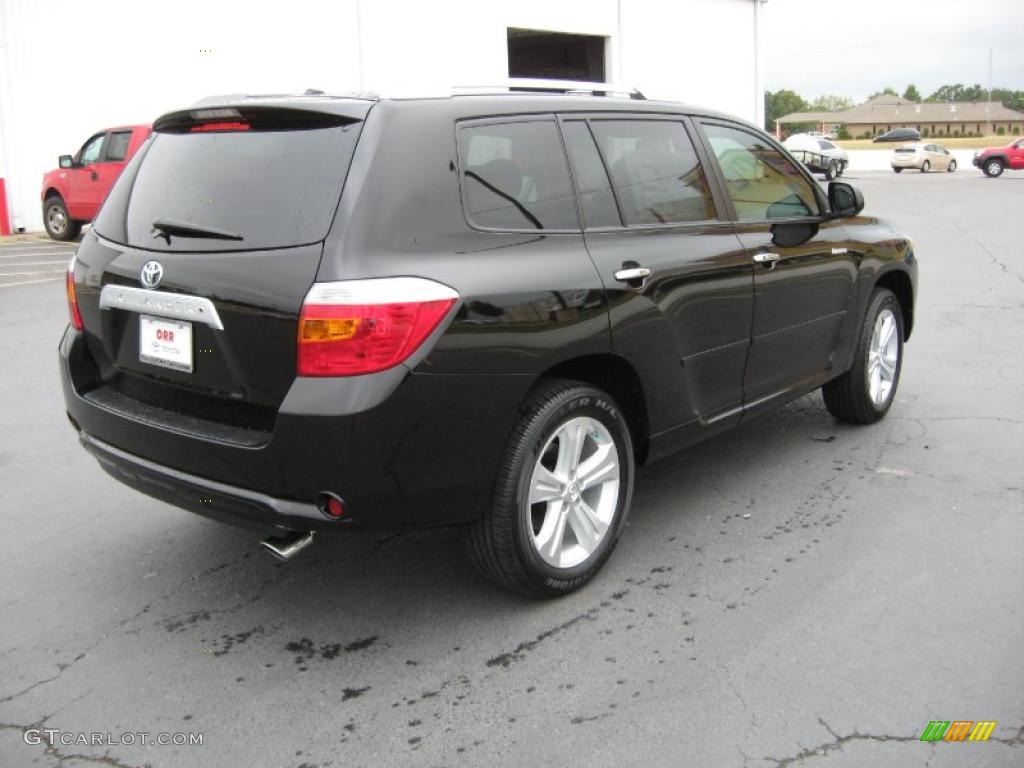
{"x": 94, "y": 176}
{"x": 632, "y": 273}
{"x": 766, "y": 257}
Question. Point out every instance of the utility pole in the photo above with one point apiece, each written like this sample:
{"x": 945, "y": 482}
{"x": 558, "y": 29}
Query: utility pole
{"x": 988, "y": 106}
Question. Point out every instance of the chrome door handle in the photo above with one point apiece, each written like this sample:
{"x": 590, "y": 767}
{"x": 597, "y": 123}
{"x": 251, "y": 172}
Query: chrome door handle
{"x": 766, "y": 257}
{"x": 633, "y": 273}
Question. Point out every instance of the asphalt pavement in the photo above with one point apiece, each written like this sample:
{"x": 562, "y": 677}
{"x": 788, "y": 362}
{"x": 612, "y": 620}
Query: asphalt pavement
{"x": 794, "y": 593}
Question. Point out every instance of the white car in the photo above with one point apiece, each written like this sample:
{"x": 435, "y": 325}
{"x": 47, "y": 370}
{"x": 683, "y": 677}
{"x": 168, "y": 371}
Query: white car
{"x": 818, "y": 153}
{"x": 924, "y": 157}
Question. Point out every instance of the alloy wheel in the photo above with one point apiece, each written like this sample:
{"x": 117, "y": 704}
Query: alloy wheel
{"x": 574, "y": 491}
{"x": 883, "y": 358}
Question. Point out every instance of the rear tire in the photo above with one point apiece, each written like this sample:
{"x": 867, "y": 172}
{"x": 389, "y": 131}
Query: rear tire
{"x": 59, "y": 225}
{"x": 926, "y": 166}
{"x": 897, "y": 170}
{"x": 553, "y": 522}
{"x": 865, "y": 392}
{"x": 994, "y": 168}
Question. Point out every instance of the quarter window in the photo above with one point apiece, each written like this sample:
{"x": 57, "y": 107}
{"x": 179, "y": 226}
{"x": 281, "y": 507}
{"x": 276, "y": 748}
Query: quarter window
{"x": 760, "y": 180}
{"x": 654, "y": 168}
{"x": 515, "y": 176}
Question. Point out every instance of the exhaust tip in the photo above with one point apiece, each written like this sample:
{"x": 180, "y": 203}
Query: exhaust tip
{"x": 288, "y": 545}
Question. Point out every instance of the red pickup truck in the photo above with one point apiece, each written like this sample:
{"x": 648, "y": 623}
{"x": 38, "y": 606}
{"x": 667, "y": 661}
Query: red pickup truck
{"x": 994, "y": 160}
{"x": 72, "y": 193}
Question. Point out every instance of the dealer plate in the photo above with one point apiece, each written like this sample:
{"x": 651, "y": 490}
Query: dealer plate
{"x": 167, "y": 343}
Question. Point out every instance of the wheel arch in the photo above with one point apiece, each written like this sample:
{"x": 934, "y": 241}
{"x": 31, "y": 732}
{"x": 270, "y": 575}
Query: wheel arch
{"x": 52, "y": 191}
{"x": 618, "y": 378}
{"x": 899, "y": 283}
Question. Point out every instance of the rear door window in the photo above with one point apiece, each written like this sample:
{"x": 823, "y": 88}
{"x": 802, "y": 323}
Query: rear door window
{"x": 654, "y": 167}
{"x": 514, "y": 176}
{"x": 272, "y": 179}
{"x": 762, "y": 182}
{"x": 117, "y": 145}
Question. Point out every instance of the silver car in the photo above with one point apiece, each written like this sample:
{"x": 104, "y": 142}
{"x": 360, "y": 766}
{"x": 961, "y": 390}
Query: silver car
{"x": 924, "y": 157}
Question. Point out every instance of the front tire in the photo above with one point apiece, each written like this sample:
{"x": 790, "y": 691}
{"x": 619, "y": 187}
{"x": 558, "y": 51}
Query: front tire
{"x": 59, "y": 225}
{"x": 831, "y": 172}
{"x": 926, "y": 166}
{"x": 897, "y": 170}
{"x": 561, "y": 495}
{"x": 864, "y": 394}
{"x": 994, "y": 168}
{"x": 951, "y": 167}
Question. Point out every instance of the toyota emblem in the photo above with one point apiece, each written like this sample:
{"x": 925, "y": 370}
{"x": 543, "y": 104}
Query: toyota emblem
{"x": 151, "y": 275}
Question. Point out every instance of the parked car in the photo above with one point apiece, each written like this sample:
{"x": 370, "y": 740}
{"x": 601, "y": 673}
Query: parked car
{"x": 994, "y": 160}
{"x": 899, "y": 134}
{"x": 408, "y": 313}
{"x": 923, "y": 157}
{"x": 73, "y": 192}
{"x": 819, "y": 154}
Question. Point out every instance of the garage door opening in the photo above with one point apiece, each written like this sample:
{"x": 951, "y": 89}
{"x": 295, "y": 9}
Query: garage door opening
{"x": 556, "y": 56}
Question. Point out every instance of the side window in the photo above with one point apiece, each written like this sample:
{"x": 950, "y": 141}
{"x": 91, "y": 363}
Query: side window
{"x": 117, "y": 145}
{"x": 515, "y": 176}
{"x": 760, "y": 180}
{"x": 90, "y": 152}
{"x": 654, "y": 167}
{"x": 592, "y": 185}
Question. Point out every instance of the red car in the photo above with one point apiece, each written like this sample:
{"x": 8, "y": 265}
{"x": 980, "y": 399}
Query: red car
{"x": 994, "y": 160}
{"x": 72, "y": 194}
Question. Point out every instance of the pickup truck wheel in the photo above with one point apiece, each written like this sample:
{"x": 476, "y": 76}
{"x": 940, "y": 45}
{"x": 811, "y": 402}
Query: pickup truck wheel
{"x": 864, "y": 393}
{"x": 951, "y": 167}
{"x": 832, "y": 171}
{"x": 561, "y": 495}
{"x": 58, "y": 223}
{"x": 993, "y": 167}
{"x": 842, "y": 169}
{"x": 926, "y": 166}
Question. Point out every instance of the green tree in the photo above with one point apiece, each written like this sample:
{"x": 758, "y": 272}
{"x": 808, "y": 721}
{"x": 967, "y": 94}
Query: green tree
{"x": 831, "y": 103}
{"x": 887, "y": 91}
{"x": 959, "y": 92}
{"x": 912, "y": 94}
{"x": 781, "y": 103}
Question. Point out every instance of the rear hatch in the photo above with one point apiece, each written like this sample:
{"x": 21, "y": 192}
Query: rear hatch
{"x": 191, "y": 281}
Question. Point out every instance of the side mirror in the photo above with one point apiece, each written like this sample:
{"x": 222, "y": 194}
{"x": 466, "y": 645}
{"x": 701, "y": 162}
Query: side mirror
{"x": 66, "y": 161}
{"x": 844, "y": 199}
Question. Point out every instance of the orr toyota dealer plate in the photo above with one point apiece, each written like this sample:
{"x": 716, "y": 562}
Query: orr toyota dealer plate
{"x": 167, "y": 343}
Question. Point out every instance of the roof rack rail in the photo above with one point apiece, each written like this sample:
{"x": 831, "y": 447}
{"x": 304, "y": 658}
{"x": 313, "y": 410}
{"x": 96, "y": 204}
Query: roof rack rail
{"x": 543, "y": 85}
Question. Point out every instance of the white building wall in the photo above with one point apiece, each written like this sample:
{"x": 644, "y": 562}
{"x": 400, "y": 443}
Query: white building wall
{"x": 68, "y": 69}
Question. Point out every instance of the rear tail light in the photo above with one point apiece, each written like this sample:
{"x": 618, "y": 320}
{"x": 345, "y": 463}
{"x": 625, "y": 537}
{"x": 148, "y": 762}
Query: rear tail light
{"x": 364, "y": 326}
{"x": 76, "y": 316}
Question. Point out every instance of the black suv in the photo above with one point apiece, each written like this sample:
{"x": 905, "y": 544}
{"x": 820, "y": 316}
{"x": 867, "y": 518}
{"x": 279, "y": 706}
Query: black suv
{"x": 317, "y": 313}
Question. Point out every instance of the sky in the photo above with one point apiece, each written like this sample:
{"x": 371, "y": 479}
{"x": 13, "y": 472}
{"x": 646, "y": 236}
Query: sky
{"x": 859, "y": 47}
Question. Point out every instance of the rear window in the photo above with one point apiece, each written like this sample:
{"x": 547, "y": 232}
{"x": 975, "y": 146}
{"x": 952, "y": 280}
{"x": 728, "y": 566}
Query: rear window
{"x": 271, "y": 182}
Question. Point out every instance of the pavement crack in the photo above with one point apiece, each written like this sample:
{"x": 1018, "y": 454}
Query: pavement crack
{"x": 991, "y": 256}
{"x": 61, "y": 669}
{"x": 837, "y": 744}
{"x": 61, "y": 756}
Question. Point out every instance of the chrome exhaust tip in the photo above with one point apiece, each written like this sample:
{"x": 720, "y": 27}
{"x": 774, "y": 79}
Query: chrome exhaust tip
{"x": 288, "y": 545}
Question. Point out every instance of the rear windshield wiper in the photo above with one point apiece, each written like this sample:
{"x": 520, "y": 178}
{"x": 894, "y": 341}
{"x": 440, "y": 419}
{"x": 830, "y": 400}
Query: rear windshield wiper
{"x": 165, "y": 228}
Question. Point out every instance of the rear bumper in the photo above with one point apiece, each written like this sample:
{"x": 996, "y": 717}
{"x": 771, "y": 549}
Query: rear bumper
{"x": 403, "y": 450}
{"x": 225, "y": 503}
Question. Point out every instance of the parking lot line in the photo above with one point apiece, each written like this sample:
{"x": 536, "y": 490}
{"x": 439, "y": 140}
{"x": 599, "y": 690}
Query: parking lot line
{"x": 63, "y": 262}
{"x": 32, "y": 282}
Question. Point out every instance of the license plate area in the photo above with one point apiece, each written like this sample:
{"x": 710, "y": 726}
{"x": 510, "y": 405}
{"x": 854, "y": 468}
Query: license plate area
{"x": 165, "y": 343}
